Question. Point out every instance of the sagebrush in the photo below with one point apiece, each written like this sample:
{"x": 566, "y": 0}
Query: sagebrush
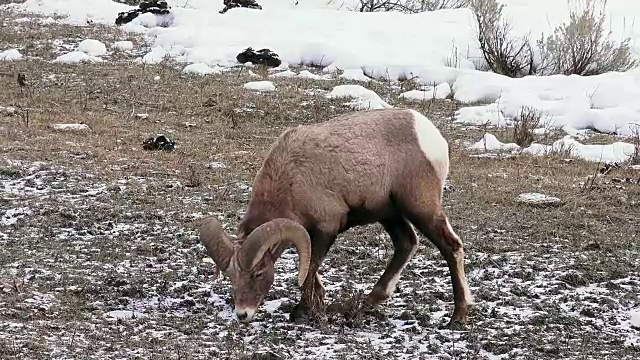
{"x": 580, "y": 46}
{"x": 409, "y": 6}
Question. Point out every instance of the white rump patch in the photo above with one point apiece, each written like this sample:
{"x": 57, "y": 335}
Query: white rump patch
{"x": 432, "y": 143}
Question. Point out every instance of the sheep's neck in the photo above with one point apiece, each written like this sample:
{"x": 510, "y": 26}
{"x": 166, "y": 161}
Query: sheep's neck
{"x": 267, "y": 203}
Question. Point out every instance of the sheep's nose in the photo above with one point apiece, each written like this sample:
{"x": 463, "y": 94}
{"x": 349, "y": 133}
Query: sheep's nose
{"x": 245, "y": 314}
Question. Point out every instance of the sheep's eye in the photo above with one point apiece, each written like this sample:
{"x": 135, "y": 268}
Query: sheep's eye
{"x": 258, "y": 275}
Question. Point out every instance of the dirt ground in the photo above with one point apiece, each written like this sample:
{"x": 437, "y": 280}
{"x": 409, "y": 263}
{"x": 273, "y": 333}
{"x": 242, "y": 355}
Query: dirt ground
{"x": 99, "y": 256}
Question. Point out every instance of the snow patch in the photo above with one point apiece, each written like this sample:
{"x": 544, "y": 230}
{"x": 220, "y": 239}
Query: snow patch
{"x": 71, "y": 127}
{"x": 363, "y": 98}
{"x": 10, "y": 55}
{"x": 490, "y": 142}
{"x": 76, "y": 57}
{"x": 201, "y": 69}
{"x": 607, "y": 153}
{"x": 439, "y": 92}
{"x": 355, "y": 74}
{"x": 260, "y": 86}
{"x": 11, "y": 216}
{"x": 284, "y": 74}
{"x": 123, "y": 45}
{"x": 124, "y": 314}
{"x": 92, "y": 47}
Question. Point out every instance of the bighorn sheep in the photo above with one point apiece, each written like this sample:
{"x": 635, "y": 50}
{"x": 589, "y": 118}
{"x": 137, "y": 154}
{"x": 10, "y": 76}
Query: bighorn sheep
{"x": 317, "y": 181}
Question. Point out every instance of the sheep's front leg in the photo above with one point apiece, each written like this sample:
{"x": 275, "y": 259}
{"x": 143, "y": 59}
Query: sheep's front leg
{"x": 405, "y": 244}
{"x": 311, "y": 305}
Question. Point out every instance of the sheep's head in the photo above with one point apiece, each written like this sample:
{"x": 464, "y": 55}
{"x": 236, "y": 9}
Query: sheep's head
{"x": 249, "y": 262}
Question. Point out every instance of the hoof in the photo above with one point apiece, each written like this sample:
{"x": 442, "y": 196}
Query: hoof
{"x": 374, "y": 299}
{"x": 304, "y": 313}
{"x": 458, "y": 320}
{"x": 456, "y": 325}
{"x": 298, "y": 314}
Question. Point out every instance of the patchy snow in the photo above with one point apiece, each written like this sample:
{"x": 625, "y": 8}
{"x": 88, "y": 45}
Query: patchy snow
{"x": 11, "y": 216}
{"x": 146, "y": 273}
{"x": 8, "y": 110}
{"x": 306, "y": 74}
{"x": 216, "y": 165}
{"x": 76, "y": 57}
{"x": 362, "y": 98}
{"x": 490, "y": 142}
{"x": 263, "y": 85}
{"x": 284, "y": 74}
{"x": 480, "y": 115}
{"x": 92, "y": 47}
{"x": 355, "y": 74}
{"x": 124, "y": 314}
{"x": 201, "y": 69}
{"x": 71, "y": 127}
{"x": 608, "y": 153}
{"x": 124, "y": 45}
{"x": 10, "y": 55}
{"x": 439, "y": 92}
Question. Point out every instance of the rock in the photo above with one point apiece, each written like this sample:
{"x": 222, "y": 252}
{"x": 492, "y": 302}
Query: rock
{"x": 537, "y": 199}
{"x": 260, "y": 57}
{"x": 71, "y": 127}
{"x": 156, "y": 7}
{"x": 230, "y": 4}
{"x": 635, "y": 319}
{"x": 8, "y": 110}
{"x": 260, "y": 86}
{"x": 216, "y": 165}
{"x": 406, "y": 316}
{"x": 160, "y": 142}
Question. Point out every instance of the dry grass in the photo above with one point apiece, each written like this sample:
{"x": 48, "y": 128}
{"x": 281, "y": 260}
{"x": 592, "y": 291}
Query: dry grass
{"x": 114, "y": 229}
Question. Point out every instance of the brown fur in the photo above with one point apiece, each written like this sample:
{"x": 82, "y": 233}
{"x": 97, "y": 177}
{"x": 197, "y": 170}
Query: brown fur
{"x": 355, "y": 169}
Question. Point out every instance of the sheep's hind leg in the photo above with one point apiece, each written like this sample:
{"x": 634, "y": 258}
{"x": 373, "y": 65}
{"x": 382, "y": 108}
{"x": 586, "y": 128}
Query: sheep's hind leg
{"x": 311, "y": 305}
{"x": 405, "y": 244}
{"x": 435, "y": 226}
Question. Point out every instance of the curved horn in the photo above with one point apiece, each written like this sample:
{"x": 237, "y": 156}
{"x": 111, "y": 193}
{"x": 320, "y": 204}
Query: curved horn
{"x": 271, "y": 233}
{"x": 214, "y": 239}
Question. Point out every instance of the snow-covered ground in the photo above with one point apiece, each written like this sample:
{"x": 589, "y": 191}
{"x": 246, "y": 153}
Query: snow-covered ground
{"x": 386, "y": 45}
{"x": 142, "y": 273}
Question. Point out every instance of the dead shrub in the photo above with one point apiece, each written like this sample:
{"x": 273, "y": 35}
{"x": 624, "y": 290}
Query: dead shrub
{"x": 502, "y": 53}
{"x": 582, "y": 46}
{"x": 635, "y": 138}
{"x": 524, "y": 125}
{"x": 409, "y": 6}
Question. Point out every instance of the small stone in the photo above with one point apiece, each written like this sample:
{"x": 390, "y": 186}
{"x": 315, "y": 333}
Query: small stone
{"x": 71, "y": 127}
{"x": 537, "y": 199}
{"x": 216, "y": 165}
